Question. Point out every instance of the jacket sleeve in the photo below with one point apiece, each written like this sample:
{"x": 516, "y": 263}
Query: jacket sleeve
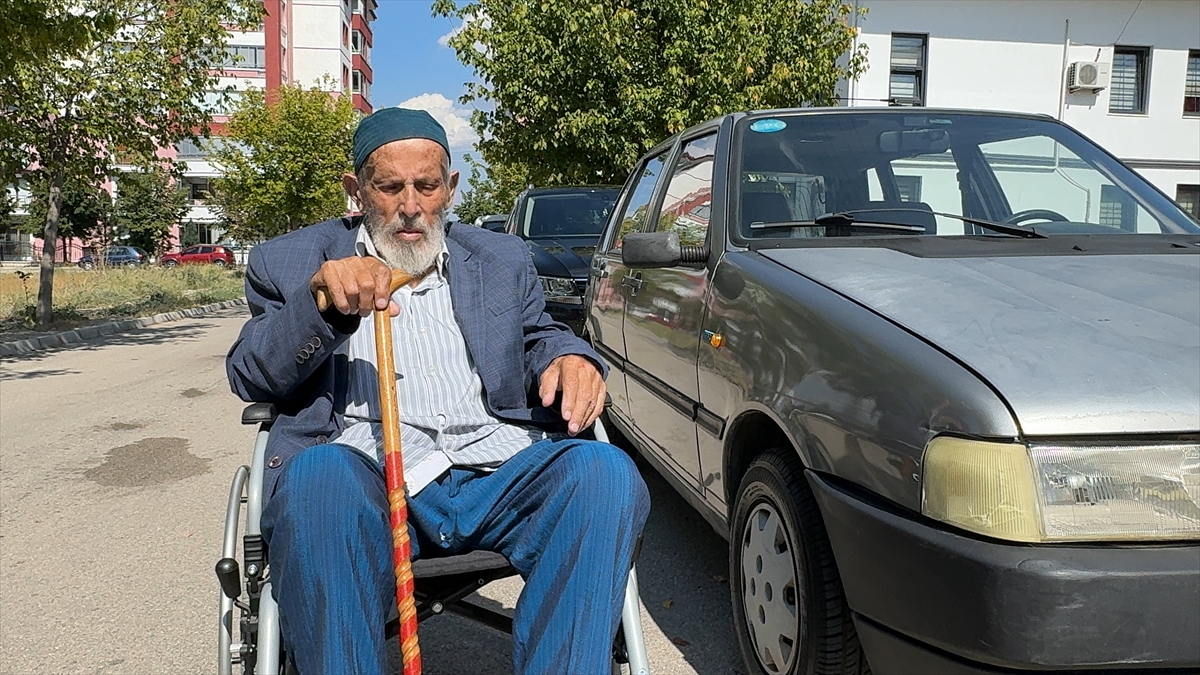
{"x": 545, "y": 338}
{"x": 286, "y": 339}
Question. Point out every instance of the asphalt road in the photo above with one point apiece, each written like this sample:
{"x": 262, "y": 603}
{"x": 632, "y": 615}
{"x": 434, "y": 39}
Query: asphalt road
{"x": 115, "y": 461}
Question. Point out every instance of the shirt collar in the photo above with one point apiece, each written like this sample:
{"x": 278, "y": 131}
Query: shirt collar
{"x": 363, "y": 247}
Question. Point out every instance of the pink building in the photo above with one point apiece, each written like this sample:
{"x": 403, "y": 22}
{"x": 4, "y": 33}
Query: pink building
{"x": 300, "y": 42}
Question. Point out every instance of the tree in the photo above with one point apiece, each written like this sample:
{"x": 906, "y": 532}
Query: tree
{"x": 84, "y": 209}
{"x": 149, "y": 201}
{"x": 490, "y": 193}
{"x": 579, "y": 89}
{"x": 36, "y": 30}
{"x": 134, "y": 88}
{"x": 283, "y": 161}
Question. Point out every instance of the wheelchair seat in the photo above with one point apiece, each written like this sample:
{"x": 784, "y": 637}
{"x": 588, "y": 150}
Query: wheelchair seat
{"x": 441, "y": 583}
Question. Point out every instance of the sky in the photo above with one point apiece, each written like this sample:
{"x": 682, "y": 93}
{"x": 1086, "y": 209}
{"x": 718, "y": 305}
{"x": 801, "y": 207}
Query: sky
{"x": 415, "y": 68}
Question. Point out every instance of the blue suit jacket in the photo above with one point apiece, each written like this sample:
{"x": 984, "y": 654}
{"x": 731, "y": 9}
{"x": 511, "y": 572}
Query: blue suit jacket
{"x": 285, "y": 353}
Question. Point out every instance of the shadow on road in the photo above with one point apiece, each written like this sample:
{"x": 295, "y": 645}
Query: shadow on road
{"x": 35, "y": 374}
{"x": 142, "y": 337}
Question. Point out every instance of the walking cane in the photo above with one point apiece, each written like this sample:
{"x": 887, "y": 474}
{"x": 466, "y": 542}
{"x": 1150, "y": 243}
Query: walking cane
{"x": 394, "y": 471}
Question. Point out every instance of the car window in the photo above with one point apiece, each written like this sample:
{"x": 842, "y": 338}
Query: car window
{"x": 904, "y": 167}
{"x": 687, "y": 201}
{"x": 568, "y": 214}
{"x": 191, "y": 250}
{"x": 634, "y": 216}
{"x": 1038, "y": 173}
{"x": 206, "y": 249}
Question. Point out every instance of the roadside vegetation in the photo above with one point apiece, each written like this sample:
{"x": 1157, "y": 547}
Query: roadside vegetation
{"x": 83, "y": 297}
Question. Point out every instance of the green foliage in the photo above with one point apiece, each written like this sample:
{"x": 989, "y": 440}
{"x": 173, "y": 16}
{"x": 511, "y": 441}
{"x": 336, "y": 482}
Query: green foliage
{"x": 37, "y": 30}
{"x": 149, "y": 201}
{"x": 581, "y": 88}
{"x": 283, "y": 165}
{"x": 490, "y": 193}
{"x": 84, "y": 211}
{"x": 136, "y": 84}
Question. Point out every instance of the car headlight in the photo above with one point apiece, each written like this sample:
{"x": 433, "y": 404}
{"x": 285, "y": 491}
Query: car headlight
{"x": 559, "y": 289}
{"x": 1064, "y": 492}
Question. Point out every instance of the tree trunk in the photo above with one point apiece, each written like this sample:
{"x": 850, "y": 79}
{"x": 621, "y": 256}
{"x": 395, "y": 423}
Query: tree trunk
{"x": 45, "y": 303}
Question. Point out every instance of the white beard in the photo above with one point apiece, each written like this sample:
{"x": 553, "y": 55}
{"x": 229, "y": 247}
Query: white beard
{"x": 411, "y": 257}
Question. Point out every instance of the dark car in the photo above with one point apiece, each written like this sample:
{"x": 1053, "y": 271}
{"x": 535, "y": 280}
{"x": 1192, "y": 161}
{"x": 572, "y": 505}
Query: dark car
{"x": 199, "y": 254}
{"x": 495, "y": 223}
{"x": 116, "y": 256}
{"x": 935, "y": 374}
{"x": 561, "y": 226}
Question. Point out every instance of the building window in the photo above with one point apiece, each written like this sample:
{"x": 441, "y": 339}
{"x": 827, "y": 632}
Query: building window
{"x": 358, "y": 43}
{"x": 199, "y": 190}
{"x": 1188, "y": 198}
{"x": 1191, "y": 87}
{"x": 356, "y": 82}
{"x": 1117, "y": 209}
{"x": 907, "y": 85}
{"x": 909, "y": 188}
{"x": 245, "y": 57}
{"x": 1130, "y": 80}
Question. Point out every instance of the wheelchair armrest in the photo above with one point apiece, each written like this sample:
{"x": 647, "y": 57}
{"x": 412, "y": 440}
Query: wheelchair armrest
{"x": 257, "y": 413}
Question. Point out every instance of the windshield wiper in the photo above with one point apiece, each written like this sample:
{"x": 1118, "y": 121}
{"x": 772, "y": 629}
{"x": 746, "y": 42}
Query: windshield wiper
{"x": 837, "y": 220}
{"x": 1003, "y": 228}
{"x": 845, "y": 219}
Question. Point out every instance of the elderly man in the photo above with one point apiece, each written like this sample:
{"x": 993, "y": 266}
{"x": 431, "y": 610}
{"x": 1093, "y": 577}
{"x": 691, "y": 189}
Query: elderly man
{"x": 489, "y": 463}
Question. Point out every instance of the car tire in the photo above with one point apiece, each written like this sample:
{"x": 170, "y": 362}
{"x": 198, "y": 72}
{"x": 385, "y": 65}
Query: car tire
{"x": 789, "y": 609}
{"x": 131, "y": 263}
{"x": 171, "y": 263}
{"x": 219, "y": 263}
{"x": 87, "y": 265}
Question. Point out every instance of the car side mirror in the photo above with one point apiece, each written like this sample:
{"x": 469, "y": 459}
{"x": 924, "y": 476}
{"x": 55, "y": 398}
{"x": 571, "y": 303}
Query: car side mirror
{"x": 651, "y": 249}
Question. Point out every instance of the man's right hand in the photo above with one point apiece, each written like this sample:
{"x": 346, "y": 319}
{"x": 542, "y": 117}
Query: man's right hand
{"x": 357, "y": 285}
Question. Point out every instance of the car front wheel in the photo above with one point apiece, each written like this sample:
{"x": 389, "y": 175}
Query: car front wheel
{"x": 789, "y": 610}
{"x": 219, "y": 263}
{"x": 170, "y": 263}
{"x": 87, "y": 264}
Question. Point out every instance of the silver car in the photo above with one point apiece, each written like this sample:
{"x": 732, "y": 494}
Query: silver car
{"x": 934, "y": 374}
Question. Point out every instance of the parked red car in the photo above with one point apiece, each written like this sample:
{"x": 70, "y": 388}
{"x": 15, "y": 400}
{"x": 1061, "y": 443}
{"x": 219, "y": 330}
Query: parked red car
{"x": 203, "y": 253}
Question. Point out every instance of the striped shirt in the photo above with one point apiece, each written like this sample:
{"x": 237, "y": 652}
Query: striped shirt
{"x": 444, "y": 420}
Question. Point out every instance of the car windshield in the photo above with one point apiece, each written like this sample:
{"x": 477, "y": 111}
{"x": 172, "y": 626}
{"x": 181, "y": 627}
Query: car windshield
{"x": 566, "y": 214}
{"x": 903, "y": 168}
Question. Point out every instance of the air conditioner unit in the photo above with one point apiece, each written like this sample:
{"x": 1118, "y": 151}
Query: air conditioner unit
{"x": 1089, "y": 75}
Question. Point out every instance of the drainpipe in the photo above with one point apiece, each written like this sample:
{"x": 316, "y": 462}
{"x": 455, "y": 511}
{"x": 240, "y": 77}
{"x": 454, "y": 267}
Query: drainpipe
{"x": 1062, "y": 76}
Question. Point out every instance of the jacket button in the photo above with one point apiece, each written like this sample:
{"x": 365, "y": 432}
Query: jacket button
{"x": 316, "y": 342}
{"x": 274, "y": 462}
{"x": 300, "y": 357}
{"x": 322, "y": 439}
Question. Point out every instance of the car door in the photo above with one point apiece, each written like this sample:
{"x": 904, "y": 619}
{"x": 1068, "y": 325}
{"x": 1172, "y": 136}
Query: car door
{"x": 606, "y": 289}
{"x": 664, "y": 312}
{"x": 190, "y": 254}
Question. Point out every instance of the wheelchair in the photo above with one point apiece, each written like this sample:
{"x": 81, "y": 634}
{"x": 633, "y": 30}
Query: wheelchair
{"x": 442, "y": 583}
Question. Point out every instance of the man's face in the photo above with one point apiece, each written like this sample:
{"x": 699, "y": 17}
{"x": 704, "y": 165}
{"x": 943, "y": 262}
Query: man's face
{"x": 405, "y": 196}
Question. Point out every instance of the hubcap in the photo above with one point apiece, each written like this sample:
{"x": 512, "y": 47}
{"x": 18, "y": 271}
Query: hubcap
{"x": 769, "y": 590}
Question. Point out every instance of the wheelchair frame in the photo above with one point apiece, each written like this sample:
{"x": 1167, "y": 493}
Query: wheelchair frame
{"x": 441, "y": 587}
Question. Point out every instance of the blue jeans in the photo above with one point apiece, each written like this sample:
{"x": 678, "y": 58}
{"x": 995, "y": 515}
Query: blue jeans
{"x": 565, "y": 513}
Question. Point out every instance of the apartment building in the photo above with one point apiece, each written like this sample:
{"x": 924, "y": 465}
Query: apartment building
{"x": 1126, "y": 73}
{"x": 314, "y": 43}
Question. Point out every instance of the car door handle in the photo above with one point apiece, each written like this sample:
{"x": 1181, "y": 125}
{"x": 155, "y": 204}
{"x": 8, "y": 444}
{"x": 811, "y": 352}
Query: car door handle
{"x": 633, "y": 282}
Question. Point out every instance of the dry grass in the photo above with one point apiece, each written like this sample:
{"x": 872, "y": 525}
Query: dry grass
{"x": 81, "y": 296}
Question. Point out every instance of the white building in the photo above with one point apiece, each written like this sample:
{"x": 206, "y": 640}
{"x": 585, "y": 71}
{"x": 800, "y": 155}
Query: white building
{"x": 313, "y": 43}
{"x": 1019, "y": 55}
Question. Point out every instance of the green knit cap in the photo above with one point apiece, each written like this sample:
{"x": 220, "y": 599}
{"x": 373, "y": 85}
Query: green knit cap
{"x": 394, "y": 124}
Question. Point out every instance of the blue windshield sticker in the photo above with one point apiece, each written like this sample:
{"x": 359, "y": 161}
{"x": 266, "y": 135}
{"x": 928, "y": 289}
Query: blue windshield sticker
{"x": 767, "y": 126}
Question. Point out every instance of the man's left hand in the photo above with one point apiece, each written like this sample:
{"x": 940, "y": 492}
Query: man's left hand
{"x": 582, "y": 390}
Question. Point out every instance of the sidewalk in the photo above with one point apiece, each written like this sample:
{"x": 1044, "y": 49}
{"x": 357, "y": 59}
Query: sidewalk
{"x": 85, "y": 333}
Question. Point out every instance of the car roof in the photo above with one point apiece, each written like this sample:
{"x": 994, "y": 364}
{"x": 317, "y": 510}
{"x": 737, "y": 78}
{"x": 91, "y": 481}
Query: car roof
{"x": 567, "y": 189}
{"x": 837, "y": 110}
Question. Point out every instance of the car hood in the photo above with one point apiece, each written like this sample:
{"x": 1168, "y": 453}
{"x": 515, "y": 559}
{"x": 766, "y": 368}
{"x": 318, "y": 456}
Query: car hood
{"x": 1095, "y": 344}
{"x": 563, "y": 257}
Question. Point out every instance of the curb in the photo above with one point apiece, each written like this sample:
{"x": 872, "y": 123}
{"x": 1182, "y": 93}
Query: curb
{"x": 71, "y": 337}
